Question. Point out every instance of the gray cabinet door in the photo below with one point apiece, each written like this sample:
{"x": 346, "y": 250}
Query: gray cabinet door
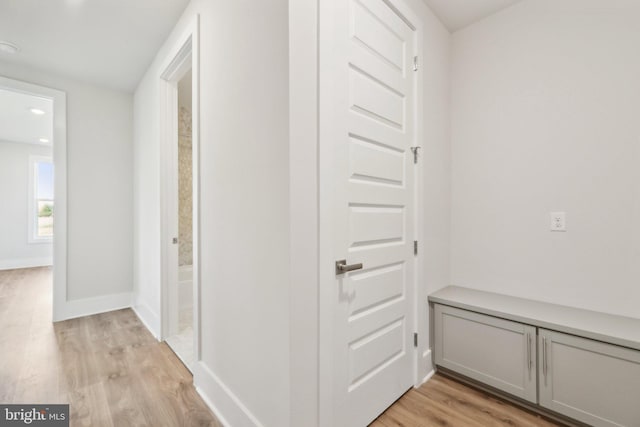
{"x": 497, "y": 352}
{"x": 590, "y": 381}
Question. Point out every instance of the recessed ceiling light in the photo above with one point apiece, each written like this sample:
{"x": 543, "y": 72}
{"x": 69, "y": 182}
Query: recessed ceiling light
{"x": 7, "y": 47}
{"x": 44, "y": 140}
{"x": 37, "y": 111}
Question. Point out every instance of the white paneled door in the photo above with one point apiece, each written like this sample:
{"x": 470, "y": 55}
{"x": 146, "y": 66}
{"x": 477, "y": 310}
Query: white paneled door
{"x": 369, "y": 112}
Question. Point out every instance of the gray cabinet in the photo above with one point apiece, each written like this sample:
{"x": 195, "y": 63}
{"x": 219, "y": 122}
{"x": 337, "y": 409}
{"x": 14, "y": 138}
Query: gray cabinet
{"x": 589, "y": 381}
{"x": 497, "y": 352}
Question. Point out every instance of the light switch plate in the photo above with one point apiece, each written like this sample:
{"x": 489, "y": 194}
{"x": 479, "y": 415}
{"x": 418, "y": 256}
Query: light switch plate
{"x": 558, "y": 221}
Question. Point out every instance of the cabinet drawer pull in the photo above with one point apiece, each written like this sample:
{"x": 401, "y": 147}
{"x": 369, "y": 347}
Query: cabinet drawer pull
{"x": 529, "y": 353}
{"x": 544, "y": 359}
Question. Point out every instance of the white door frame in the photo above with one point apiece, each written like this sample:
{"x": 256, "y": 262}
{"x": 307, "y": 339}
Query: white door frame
{"x": 59, "y": 99}
{"x": 183, "y": 56}
{"x": 325, "y": 176}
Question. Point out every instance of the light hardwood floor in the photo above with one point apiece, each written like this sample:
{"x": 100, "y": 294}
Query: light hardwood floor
{"x": 108, "y": 367}
{"x": 445, "y": 402}
{"x": 115, "y": 374}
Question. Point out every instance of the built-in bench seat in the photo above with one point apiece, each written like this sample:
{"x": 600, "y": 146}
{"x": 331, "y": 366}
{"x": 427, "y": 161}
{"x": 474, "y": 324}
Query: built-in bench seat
{"x": 578, "y": 363}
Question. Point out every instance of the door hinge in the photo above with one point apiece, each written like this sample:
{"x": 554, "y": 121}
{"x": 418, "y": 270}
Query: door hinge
{"x": 415, "y": 247}
{"x": 414, "y": 150}
{"x": 415, "y": 339}
{"x": 415, "y": 63}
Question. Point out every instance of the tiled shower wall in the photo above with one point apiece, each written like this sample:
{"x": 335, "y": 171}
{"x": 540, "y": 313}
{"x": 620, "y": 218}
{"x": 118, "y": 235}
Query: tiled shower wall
{"x": 185, "y": 205}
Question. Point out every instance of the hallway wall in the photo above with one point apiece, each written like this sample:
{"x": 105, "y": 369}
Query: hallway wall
{"x": 243, "y": 205}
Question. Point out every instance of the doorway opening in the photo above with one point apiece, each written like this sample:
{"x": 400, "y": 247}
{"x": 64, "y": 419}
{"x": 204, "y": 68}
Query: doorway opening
{"x": 181, "y": 328}
{"x": 180, "y": 197}
{"x": 33, "y": 183}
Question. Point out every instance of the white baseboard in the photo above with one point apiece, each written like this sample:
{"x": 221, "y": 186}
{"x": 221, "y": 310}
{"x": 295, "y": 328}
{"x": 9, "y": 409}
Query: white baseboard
{"x": 228, "y": 408}
{"x": 148, "y": 318}
{"x": 426, "y": 358}
{"x": 426, "y": 369}
{"x": 212, "y": 407}
{"x": 427, "y": 377}
{"x": 88, "y": 306}
{"x": 13, "y": 263}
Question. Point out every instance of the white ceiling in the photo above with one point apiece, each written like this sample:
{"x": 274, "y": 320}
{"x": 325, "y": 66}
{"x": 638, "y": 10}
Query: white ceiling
{"x": 106, "y": 42}
{"x": 18, "y": 124}
{"x": 112, "y": 42}
{"x": 457, "y": 14}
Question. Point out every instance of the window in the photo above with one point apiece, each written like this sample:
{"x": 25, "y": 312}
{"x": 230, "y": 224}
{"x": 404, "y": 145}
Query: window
{"x": 41, "y": 199}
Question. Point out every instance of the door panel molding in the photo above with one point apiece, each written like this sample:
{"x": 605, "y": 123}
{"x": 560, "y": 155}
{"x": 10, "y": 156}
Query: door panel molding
{"x": 370, "y": 104}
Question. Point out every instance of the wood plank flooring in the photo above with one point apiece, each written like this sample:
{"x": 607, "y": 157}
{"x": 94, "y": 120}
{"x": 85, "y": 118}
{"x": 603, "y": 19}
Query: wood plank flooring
{"x": 115, "y": 374}
{"x": 445, "y": 402}
{"x": 108, "y": 367}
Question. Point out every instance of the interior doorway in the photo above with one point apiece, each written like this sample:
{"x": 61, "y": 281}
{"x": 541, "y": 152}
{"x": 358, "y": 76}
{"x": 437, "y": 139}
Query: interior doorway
{"x": 181, "y": 325}
{"x": 180, "y": 201}
{"x": 33, "y": 182}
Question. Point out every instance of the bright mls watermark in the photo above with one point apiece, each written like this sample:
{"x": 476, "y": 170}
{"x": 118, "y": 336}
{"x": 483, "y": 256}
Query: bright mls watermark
{"x": 34, "y": 415}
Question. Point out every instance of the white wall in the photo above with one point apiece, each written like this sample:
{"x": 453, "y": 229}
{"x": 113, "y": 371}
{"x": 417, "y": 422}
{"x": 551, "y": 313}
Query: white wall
{"x": 435, "y": 158}
{"x": 546, "y": 97}
{"x": 15, "y": 249}
{"x": 303, "y": 213}
{"x": 99, "y": 129}
{"x": 244, "y": 206}
{"x": 146, "y": 201}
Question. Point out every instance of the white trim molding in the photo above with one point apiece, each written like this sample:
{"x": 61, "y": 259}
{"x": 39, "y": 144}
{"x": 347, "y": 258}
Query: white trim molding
{"x": 427, "y": 364}
{"x": 228, "y": 408}
{"x": 429, "y": 375}
{"x": 149, "y": 318}
{"x": 183, "y": 55}
{"x": 15, "y": 263}
{"x": 102, "y": 304}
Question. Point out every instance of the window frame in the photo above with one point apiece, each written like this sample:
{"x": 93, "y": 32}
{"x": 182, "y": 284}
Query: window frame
{"x": 32, "y": 213}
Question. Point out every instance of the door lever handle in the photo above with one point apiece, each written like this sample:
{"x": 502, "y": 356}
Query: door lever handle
{"x": 342, "y": 266}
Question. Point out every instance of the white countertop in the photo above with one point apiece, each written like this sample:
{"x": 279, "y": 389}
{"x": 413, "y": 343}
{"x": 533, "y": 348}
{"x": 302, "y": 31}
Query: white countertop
{"x": 619, "y": 330}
